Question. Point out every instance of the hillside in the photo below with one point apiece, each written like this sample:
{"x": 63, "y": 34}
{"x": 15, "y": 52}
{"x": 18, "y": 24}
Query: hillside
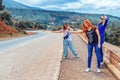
{"x": 6, "y": 30}
{"x": 16, "y": 5}
{"x": 23, "y": 12}
{"x": 55, "y": 16}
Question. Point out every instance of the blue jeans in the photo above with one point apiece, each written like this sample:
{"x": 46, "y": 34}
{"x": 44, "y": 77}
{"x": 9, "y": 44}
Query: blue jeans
{"x": 102, "y": 40}
{"x": 66, "y": 44}
{"x": 90, "y": 49}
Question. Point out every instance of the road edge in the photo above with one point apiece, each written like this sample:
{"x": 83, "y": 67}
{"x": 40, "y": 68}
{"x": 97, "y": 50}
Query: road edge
{"x": 58, "y": 67}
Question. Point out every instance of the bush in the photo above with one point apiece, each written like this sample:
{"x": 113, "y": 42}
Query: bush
{"x": 6, "y": 17}
{"x": 23, "y": 32}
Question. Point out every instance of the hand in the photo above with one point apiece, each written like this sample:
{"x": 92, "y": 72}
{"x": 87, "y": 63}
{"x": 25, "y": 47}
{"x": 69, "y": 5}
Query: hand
{"x": 105, "y": 17}
{"x": 87, "y": 42}
{"x": 102, "y": 17}
{"x": 98, "y": 45}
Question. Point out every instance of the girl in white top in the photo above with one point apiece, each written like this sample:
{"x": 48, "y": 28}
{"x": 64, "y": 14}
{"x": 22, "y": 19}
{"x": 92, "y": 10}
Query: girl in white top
{"x": 67, "y": 41}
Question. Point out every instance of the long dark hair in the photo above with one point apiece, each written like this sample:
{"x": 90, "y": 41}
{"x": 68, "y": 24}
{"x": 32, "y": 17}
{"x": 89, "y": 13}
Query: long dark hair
{"x": 64, "y": 26}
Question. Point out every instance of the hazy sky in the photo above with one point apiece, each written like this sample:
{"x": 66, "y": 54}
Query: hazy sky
{"x": 85, "y": 6}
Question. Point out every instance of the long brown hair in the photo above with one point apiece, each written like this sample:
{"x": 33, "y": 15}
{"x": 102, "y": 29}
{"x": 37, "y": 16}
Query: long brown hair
{"x": 89, "y": 24}
{"x": 64, "y": 26}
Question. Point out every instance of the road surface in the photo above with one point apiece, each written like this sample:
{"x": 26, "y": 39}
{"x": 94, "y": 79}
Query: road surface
{"x": 38, "y": 59}
{"x": 9, "y": 44}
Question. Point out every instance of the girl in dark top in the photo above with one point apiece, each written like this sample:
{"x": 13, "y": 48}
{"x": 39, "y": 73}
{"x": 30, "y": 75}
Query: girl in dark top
{"x": 93, "y": 38}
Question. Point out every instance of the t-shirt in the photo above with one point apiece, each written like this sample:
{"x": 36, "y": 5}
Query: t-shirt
{"x": 92, "y": 36}
{"x": 68, "y": 34}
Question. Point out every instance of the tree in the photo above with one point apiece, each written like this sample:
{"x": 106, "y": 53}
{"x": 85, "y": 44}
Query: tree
{"x": 6, "y": 17}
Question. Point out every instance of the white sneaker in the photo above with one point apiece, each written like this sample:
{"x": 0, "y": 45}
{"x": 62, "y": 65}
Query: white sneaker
{"x": 98, "y": 70}
{"x": 87, "y": 70}
{"x": 64, "y": 57}
{"x": 102, "y": 63}
{"x": 77, "y": 56}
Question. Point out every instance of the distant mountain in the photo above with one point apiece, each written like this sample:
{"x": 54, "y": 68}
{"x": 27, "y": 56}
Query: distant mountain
{"x": 24, "y": 12}
{"x": 16, "y": 5}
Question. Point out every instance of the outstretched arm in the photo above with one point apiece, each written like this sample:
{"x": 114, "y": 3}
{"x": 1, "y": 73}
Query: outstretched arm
{"x": 57, "y": 31}
{"x": 76, "y": 32}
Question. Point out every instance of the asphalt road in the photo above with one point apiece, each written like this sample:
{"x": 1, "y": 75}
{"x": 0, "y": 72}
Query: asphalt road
{"x": 38, "y": 59}
{"x": 11, "y": 44}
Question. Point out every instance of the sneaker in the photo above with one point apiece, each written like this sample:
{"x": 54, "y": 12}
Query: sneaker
{"x": 102, "y": 63}
{"x": 77, "y": 56}
{"x": 64, "y": 57}
{"x": 87, "y": 70}
{"x": 98, "y": 70}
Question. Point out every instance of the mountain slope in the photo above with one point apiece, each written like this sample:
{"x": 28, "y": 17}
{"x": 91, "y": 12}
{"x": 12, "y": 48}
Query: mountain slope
{"x": 6, "y": 30}
{"x": 23, "y": 12}
{"x": 17, "y": 5}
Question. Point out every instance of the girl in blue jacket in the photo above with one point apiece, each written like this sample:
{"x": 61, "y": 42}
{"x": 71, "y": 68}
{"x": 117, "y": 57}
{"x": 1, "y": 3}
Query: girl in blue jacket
{"x": 101, "y": 27}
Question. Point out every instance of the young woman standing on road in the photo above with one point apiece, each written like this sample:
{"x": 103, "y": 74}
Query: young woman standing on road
{"x": 101, "y": 27}
{"x": 67, "y": 40}
{"x": 93, "y": 38}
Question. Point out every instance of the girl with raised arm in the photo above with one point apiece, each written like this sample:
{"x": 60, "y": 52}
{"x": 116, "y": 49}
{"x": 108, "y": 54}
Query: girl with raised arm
{"x": 101, "y": 27}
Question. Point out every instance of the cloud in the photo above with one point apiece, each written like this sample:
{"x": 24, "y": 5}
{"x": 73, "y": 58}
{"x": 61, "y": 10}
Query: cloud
{"x": 90, "y": 6}
{"x": 55, "y": 2}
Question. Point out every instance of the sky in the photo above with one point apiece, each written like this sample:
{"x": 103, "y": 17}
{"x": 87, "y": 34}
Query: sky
{"x": 110, "y": 7}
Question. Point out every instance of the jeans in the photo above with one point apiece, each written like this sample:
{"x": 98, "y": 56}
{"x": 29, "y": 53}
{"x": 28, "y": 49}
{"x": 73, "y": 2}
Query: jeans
{"x": 90, "y": 49}
{"x": 66, "y": 44}
{"x": 102, "y": 40}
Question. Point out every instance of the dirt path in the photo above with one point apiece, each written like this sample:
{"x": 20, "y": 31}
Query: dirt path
{"x": 74, "y": 69}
